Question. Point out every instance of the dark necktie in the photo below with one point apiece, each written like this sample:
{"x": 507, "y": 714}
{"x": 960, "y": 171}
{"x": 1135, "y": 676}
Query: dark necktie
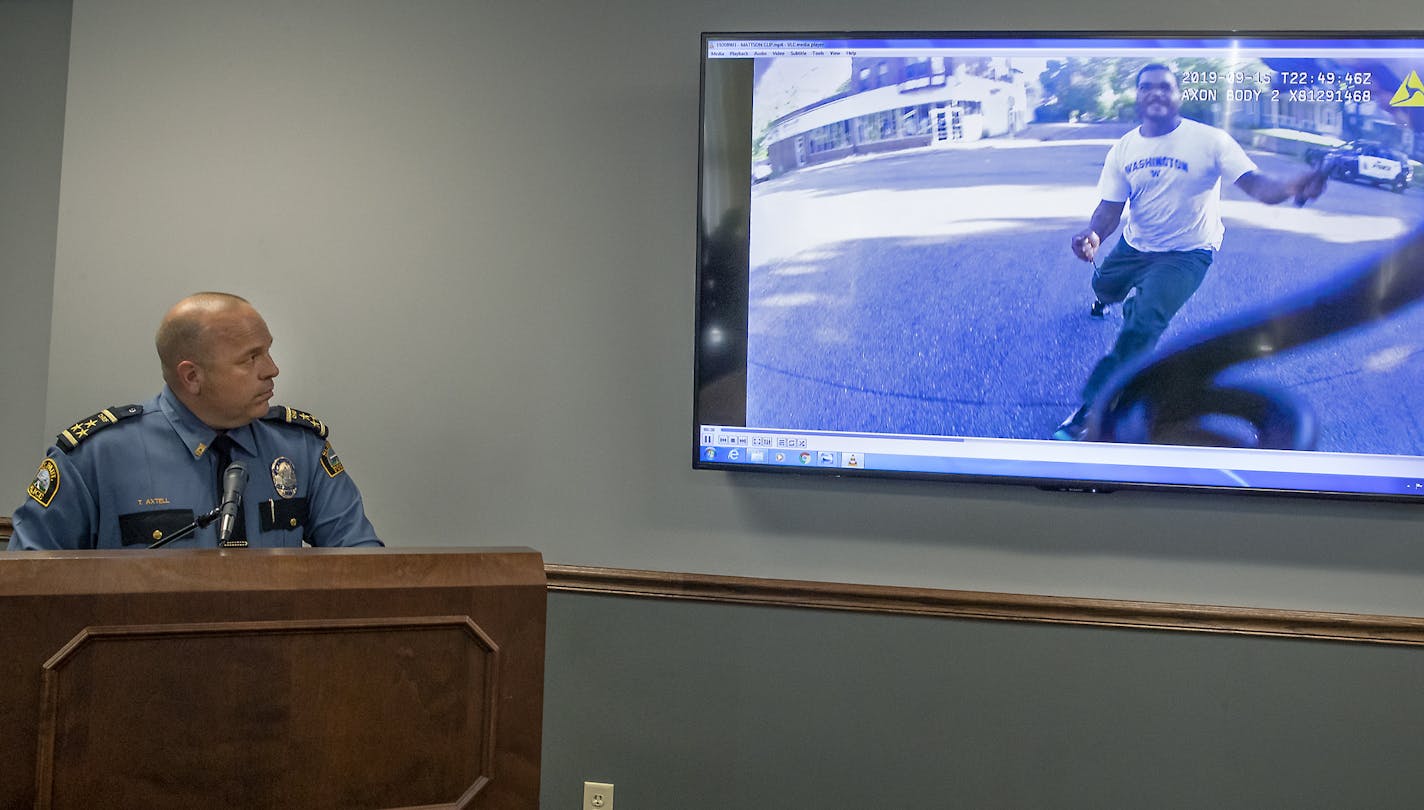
{"x": 221, "y": 448}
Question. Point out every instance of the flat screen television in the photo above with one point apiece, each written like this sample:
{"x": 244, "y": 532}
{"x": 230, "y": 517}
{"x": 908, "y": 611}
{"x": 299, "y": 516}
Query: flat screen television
{"x": 890, "y": 280}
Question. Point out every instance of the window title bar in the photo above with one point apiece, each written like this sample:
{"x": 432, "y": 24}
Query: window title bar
{"x": 733, "y": 47}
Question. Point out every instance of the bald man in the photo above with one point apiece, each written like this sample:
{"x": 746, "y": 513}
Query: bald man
{"x": 130, "y": 476}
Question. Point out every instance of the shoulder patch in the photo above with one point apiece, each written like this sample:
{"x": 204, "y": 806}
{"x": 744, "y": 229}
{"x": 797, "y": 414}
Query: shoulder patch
{"x": 46, "y": 483}
{"x": 292, "y": 416}
{"x": 331, "y": 462}
{"x": 70, "y": 437}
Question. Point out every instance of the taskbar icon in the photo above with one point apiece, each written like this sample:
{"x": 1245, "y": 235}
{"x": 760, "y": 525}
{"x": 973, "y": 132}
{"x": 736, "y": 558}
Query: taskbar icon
{"x": 794, "y": 458}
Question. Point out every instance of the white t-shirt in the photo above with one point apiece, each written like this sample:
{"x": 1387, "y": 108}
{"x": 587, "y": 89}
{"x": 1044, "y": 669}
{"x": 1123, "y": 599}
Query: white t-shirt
{"x": 1172, "y": 185}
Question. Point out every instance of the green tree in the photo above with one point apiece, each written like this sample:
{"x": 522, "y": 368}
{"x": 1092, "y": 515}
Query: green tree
{"x": 1073, "y": 89}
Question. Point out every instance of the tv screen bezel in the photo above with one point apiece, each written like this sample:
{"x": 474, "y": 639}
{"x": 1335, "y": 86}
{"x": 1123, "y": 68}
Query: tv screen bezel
{"x": 711, "y": 307}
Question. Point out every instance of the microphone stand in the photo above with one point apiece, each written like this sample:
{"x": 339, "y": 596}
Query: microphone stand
{"x": 202, "y": 521}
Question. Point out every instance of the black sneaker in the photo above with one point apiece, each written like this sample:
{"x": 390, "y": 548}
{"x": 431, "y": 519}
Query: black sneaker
{"x": 1098, "y": 309}
{"x": 1073, "y": 427}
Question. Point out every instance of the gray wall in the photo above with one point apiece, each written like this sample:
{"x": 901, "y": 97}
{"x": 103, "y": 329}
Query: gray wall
{"x": 684, "y": 705}
{"x": 475, "y": 252}
{"x": 34, "y": 59}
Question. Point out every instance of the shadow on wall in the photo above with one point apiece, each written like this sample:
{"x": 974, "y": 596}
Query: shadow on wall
{"x": 1202, "y": 527}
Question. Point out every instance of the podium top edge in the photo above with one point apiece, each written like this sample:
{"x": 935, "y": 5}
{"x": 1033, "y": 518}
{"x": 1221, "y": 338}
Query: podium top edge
{"x": 25, "y": 573}
{"x": 385, "y": 551}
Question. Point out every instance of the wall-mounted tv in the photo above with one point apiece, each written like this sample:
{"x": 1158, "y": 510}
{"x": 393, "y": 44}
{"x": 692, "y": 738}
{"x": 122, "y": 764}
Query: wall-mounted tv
{"x": 1078, "y": 261}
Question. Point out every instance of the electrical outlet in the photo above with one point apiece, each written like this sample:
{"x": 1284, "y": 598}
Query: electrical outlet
{"x": 597, "y": 796}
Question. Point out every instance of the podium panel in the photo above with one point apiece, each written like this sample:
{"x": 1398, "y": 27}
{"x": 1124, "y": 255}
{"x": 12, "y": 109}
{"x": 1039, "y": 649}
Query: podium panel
{"x": 348, "y": 678}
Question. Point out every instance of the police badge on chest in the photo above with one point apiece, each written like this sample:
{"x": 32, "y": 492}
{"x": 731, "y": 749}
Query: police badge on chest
{"x": 288, "y": 512}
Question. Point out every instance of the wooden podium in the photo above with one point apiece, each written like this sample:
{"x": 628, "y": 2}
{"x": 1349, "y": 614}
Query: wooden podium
{"x": 271, "y": 678}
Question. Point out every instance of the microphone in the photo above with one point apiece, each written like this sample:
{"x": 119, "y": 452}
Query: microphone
{"x": 234, "y": 482}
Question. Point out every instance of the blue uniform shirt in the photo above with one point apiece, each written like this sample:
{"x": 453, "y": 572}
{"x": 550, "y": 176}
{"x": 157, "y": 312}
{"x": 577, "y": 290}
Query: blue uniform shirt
{"x": 127, "y": 481}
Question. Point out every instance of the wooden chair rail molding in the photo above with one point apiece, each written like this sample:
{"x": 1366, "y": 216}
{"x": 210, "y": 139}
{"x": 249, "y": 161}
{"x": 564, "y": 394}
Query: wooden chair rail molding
{"x": 1405, "y": 630}
{"x": 1402, "y": 630}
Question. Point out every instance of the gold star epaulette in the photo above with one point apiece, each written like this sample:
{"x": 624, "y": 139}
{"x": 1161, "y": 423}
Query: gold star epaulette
{"x": 84, "y": 428}
{"x": 292, "y": 416}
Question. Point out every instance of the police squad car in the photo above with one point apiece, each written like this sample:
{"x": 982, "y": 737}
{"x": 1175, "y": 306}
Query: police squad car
{"x": 1366, "y": 161}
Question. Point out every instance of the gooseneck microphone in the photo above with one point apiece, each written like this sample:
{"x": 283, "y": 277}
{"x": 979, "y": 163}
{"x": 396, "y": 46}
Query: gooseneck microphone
{"x": 234, "y": 482}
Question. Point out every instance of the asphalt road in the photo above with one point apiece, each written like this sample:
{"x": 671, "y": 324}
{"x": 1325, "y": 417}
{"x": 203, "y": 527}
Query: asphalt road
{"x": 933, "y": 292}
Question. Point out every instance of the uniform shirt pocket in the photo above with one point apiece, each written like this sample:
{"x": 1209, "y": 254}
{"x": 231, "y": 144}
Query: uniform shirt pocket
{"x": 146, "y": 528}
{"x": 284, "y": 515}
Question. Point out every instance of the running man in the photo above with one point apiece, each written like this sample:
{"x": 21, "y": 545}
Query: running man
{"x": 1168, "y": 173}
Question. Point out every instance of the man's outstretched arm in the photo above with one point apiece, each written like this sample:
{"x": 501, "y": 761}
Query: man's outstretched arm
{"x": 1270, "y": 190}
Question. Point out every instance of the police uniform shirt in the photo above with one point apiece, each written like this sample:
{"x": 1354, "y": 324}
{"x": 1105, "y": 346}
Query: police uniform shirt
{"x": 131, "y": 478}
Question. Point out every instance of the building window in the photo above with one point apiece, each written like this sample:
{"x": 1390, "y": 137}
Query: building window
{"x": 828, "y": 138}
{"x": 914, "y": 121}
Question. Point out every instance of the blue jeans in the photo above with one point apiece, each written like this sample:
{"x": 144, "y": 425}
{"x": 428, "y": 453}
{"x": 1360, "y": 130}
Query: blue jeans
{"x": 1164, "y": 282}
